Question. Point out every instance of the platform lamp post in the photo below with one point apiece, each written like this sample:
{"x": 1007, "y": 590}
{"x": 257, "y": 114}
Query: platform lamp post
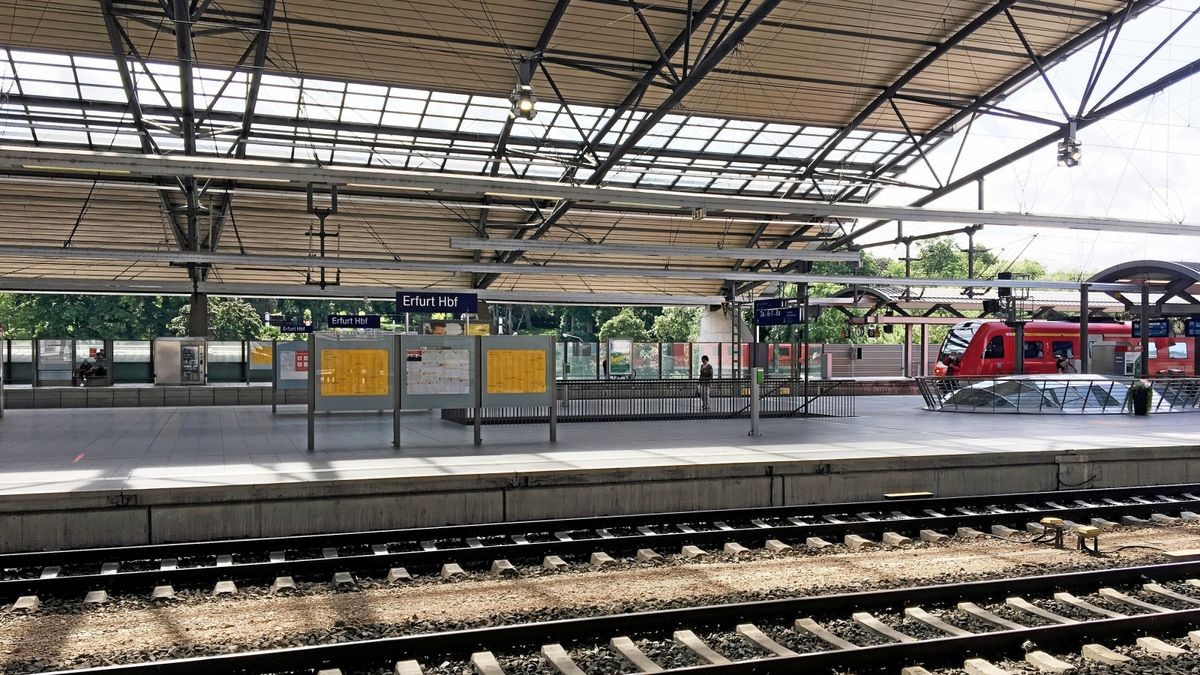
{"x": 1144, "y": 315}
{"x": 1084, "y": 312}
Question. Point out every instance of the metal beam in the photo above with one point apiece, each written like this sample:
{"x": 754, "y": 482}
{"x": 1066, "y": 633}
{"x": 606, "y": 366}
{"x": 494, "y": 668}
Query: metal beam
{"x": 304, "y": 262}
{"x": 646, "y": 156}
{"x": 261, "y": 41}
{"x": 631, "y": 99}
{"x": 133, "y": 107}
{"x": 84, "y": 164}
{"x": 944, "y": 130}
{"x": 1093, "y": 117}
{"x": 656, "y": 251}
{"x": 258, "y": 290}
{"x": 929, "y": 59}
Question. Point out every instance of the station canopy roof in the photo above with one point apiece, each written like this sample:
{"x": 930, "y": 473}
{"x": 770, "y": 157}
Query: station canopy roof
{"x": 805, "y": 100}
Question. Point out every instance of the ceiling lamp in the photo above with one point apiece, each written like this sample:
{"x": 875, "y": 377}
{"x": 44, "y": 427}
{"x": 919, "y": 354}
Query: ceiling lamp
{"x": 524, "y": 103}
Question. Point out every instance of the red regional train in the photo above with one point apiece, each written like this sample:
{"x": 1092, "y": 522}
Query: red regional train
{"x": 984, "y": 348}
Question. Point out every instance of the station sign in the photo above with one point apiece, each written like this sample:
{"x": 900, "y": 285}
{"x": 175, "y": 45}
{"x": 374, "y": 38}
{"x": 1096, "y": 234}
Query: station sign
{"x": 353, "y": 321}
{"x": 1191, "y": 326}
{"x": 770, "y": 303}
{"x": 430, "y": 302}
{"x": 295, "y": 328}
{"x": 1159, "y": 328}
{"x": 782, "y": 316}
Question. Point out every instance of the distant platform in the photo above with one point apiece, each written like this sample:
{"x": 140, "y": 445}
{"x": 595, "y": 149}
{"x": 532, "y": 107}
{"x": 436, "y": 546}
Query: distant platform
{"x": 96, "y": 476}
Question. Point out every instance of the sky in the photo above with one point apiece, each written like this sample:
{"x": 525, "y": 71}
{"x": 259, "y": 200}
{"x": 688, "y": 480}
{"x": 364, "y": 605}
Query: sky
{"x": 1140, "y": 163}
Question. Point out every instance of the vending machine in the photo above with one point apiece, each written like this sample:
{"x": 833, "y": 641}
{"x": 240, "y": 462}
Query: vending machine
{"x": 180, "y": 361}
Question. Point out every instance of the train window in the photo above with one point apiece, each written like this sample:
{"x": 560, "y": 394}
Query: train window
{"x": 1063, "y": 348}
{"x": 1034, "y": 350}
{"x": 1177, "y": 350}
{"x": 995, "y": 348}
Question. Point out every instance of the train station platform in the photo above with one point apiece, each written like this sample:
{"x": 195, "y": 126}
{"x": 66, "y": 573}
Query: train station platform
{"x": 104, "y": 476}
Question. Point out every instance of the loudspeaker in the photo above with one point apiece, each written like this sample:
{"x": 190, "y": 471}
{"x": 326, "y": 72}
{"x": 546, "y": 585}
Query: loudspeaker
{"x": 1004, "y": 291}
{"x": 991, "y": 306}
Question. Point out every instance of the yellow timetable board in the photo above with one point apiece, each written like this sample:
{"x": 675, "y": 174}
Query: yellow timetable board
{"x": 516, "y": 371}
{"x": 354, "y": 372}
{"x": 260, "y": 355}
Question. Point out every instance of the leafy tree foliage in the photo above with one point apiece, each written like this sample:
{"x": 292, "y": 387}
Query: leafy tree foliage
{"x": 677, "y": 324}
{"x": 228, "y": 319}
{"x": 625, "y": 324}
{"x": 85, "y": 316}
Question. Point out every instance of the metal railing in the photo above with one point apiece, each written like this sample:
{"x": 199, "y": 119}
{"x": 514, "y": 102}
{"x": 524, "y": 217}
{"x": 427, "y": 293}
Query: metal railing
{"x": 1077, "y": 394}
{"x": 674, "y": 399}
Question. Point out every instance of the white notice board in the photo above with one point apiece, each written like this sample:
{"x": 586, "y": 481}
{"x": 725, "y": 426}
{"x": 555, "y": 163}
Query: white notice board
{"x": 437, "y": 371}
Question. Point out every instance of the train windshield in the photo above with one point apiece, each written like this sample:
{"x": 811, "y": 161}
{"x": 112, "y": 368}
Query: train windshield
{"x": 957, "y": 339}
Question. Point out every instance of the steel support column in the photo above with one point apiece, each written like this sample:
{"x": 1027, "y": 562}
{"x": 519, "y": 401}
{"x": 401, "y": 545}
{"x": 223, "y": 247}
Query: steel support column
{"x": 1144, "y": 315}
{"x": 1084, "y": 312}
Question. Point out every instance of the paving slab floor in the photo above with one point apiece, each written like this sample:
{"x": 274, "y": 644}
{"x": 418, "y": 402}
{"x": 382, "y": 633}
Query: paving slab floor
{"x": 139, "y": 448}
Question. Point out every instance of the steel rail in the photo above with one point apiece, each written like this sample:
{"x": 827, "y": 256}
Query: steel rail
{"x": 455, "y": 549}
{"x": 379, "y": 652}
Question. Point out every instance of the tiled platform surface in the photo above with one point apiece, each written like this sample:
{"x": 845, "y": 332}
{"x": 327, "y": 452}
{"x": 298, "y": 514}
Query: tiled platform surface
{"x": 161, "y": 474}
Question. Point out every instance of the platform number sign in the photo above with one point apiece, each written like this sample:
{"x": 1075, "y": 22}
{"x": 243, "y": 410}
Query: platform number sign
{"x": 1191, "y": 326}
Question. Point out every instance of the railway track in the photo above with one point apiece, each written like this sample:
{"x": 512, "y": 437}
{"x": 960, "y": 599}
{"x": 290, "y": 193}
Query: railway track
{"x": 504, "y": 548}
{"x": 876, "y": 631}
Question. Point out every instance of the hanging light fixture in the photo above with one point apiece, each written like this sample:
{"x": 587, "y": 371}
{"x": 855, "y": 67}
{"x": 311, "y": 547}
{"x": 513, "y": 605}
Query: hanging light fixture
{"x": 524, "y": 103}
{"x": 1069, "y": 147}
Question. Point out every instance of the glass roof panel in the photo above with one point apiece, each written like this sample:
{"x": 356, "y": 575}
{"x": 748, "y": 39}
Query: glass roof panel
{"x": 701, "y": 152}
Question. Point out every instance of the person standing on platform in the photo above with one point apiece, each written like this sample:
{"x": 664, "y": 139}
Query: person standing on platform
{"x": 706, "y": 376}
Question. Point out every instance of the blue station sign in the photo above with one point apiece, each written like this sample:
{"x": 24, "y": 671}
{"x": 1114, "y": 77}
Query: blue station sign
{"x": 430, "y": 302}
{"x": 295, "y": 328}
{"x": 783, "y": 316}
{"x": 354, "y": 321}
{"x": 769, "y": 303}
{"x": 1159, "y": 328}
{"x": 1191, "y": 326}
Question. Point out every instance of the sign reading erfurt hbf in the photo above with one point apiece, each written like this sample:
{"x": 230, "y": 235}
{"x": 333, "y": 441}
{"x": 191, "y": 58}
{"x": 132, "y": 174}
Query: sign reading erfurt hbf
{"x": 430, "y": 302}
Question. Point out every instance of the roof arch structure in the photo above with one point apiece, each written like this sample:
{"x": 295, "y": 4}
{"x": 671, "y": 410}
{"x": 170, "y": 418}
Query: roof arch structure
{"x": 1173, "y": 287}
{"x": 802, "y": 102}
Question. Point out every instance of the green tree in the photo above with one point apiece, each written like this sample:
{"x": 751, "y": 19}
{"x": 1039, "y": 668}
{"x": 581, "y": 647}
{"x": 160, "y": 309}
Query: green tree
{"x": 677, "y": 324}
{"x": 625, "y": 324}
{"x": 84, "y": 316}
{"x": 228, "y": 319}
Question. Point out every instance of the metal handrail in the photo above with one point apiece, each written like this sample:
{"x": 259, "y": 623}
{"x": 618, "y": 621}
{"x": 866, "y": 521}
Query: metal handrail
{"x": 1066, "y": 394}
{"x": 676, "y": 399}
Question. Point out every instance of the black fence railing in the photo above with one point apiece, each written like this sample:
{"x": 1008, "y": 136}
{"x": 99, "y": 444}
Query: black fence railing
{"x": 1066, "y": 394}
{"x": 676, "y": 399}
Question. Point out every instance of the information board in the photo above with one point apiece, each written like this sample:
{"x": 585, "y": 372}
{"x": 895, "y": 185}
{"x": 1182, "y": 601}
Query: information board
{"x": 620, "y": 357}
{"x": 777, "y": 316}
{"x": 433, "y": 370}
{"x": 1158, "y": 328}
{"x": 517, "y": 369}
{"x": 261, "y": 357}
{"x": 437, "y": 371}
{"x": 1191, "y": 327}
{"x": 354, "y": 373}
{"x": 292, "y": 362}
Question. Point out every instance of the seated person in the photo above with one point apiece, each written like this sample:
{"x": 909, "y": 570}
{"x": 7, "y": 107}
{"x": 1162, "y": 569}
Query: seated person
{"x": 83, "y": 372}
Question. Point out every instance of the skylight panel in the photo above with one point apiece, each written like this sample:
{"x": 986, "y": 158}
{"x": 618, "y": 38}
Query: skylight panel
{"x": 114, "y": 95}
{"x": 725, "y": 148}
{"x": 401, "y": 120}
